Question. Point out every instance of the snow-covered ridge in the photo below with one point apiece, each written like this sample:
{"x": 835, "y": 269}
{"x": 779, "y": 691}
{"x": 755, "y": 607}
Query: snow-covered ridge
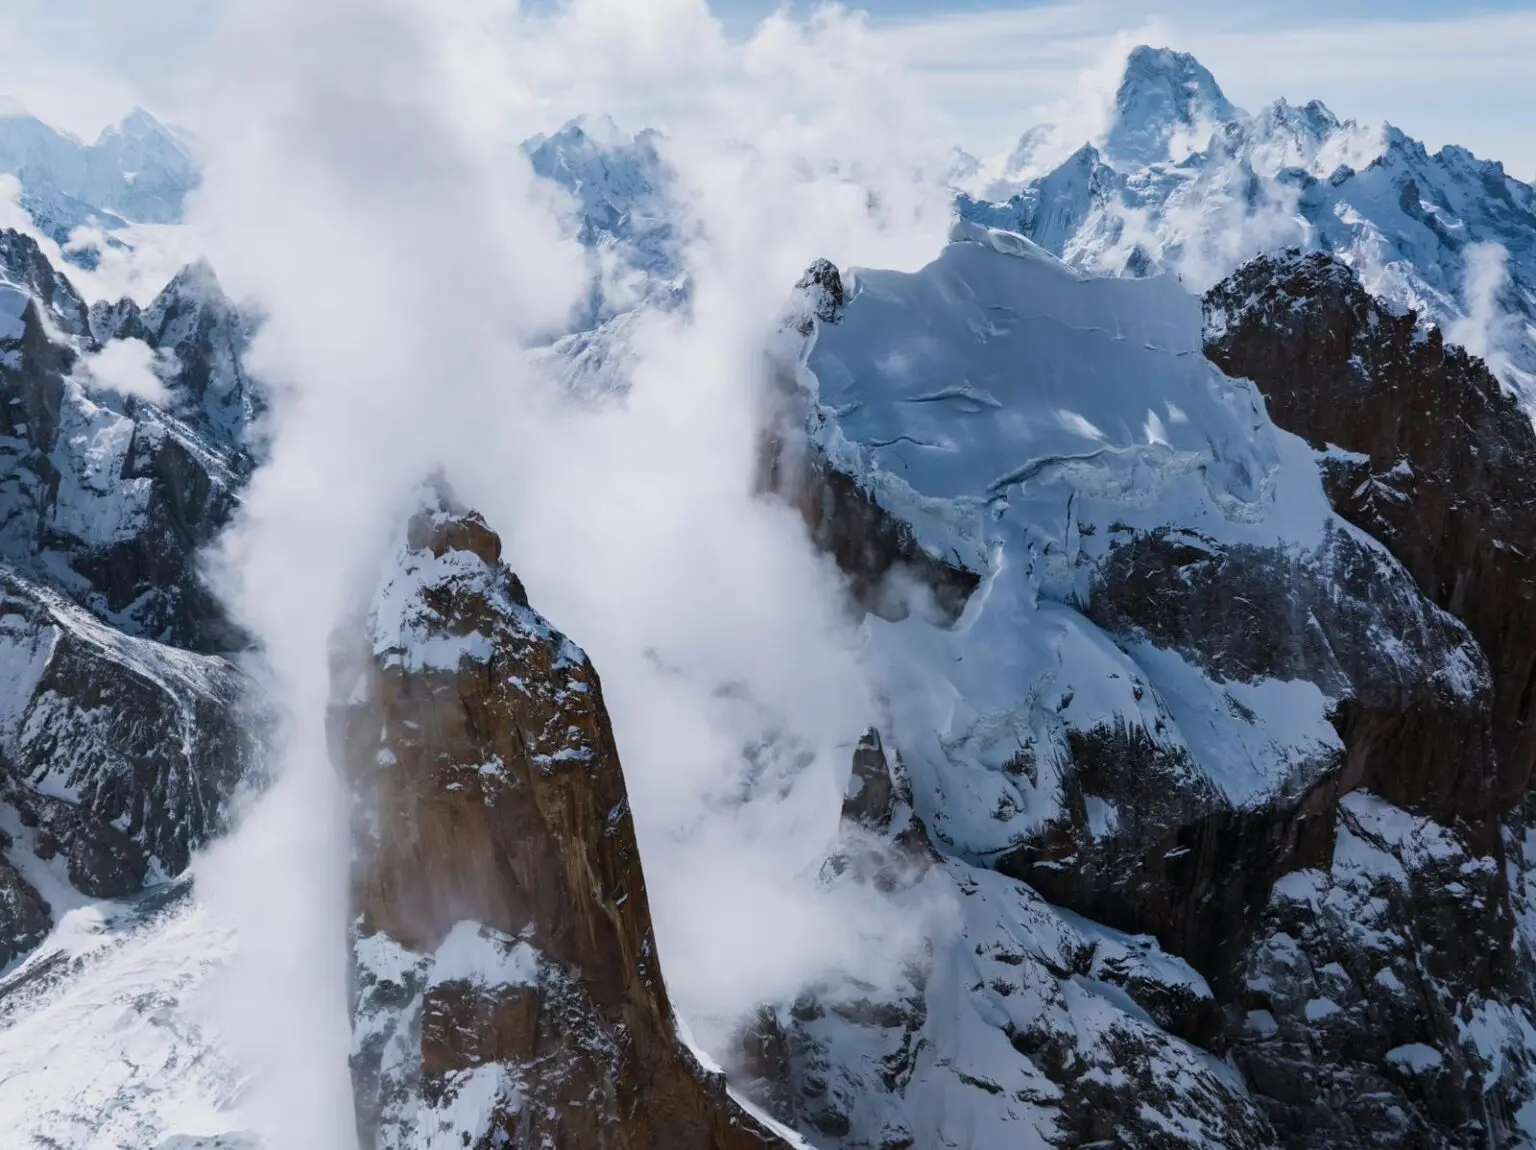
{"x": 1027, "y": 420}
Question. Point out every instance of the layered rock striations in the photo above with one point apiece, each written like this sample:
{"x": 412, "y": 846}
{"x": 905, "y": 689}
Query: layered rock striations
{"x": 507, "y": 989}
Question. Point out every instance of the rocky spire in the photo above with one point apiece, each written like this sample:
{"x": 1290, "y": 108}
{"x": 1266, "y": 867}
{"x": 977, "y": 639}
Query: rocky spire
{"x": 507, "y": 988}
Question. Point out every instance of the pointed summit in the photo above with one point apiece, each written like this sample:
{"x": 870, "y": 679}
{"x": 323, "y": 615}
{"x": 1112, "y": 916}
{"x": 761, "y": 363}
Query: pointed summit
{"x": 1167, "y": 105}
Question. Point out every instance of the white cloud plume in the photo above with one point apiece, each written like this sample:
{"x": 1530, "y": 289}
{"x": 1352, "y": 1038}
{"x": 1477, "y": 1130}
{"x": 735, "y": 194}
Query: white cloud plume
{"x": 364, "y": 187}
{"x": 1486, "y": 325}
{"x": 126, "y": 366}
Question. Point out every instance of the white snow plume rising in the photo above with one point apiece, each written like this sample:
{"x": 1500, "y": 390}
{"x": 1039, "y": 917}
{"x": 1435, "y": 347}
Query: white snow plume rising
{"x": 363, "y": 186}
{"x": 1489, "y": 330}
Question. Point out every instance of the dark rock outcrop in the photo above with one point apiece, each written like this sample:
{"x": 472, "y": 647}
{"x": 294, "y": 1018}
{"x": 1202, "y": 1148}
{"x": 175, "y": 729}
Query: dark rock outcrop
{"x": 204, "y": 338}
{"x": 1187, "y": 864}
{"x": 24, "y": 916}
{"x": 110, "y": 498}
{"x": 1380, "y": 1003}
{"x": 886, "y": 568}
{"x": 124, "y": 729}
{"x": 507, "y": 986}
{"x": 1023, "y": 1025}
{"x": 1420, "y": 447}
{"x": 1383, "y": 994}
{"x": 116, "y": 753}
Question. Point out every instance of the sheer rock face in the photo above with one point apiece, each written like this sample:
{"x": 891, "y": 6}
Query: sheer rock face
{"x": 123, "y": 733}
{"x": 1383, "y": 997}
{"x": 1410, "y": 694}
{"x": 1421, "y": 448}
{"x": 507, "y": 989}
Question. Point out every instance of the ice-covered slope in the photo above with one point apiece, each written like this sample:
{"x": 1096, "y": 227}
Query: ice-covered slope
{"x": 1176, "y": 661}
{"x": 1027, "y": 422}
{"x": 1444, "y": 233}
{"x": 104, "y": 1043}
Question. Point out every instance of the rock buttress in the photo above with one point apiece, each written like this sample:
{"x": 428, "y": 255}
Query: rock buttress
{"x": 506, "y": 984}
{"x": 1420, "y": 447}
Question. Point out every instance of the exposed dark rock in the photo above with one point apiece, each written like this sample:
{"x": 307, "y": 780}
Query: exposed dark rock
{"x": 24, "y": 916}
{"x": 507, "y": 986}
{"x": 120, "y": 748}
{"x": 1244, "y": 613}
{"x": 1422, "y": 448}
{"x": 859, "y": 1066}
{"x": 25, "y": 265}
{"x": 1382, "y": 994}
{"x": 112, "y": 499}
{"x": 148, "y": 742}
{"x": 874, "y": 786}
{"x": 822, "y": 286}
{"x": 205, "y": 338}
{"x": 1380, "y": 1003}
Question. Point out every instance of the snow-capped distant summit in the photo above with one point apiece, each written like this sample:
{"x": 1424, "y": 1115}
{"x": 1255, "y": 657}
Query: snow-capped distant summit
{"x": 1446, "y": 234}
{"x": 614, "y": 176}
{"x": 1167, "y": 105}
{"x": 137, "y": 171}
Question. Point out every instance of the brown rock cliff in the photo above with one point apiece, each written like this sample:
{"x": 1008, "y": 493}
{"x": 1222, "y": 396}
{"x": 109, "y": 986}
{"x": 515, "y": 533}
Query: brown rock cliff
{"x": 507, "y": 989}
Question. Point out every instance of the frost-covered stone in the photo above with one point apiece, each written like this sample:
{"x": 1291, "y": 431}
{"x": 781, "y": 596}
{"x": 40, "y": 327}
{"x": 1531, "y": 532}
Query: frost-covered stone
{"x": 119, "y": 746}
{"x": 117, "y": 754}
{"x": 1018, "y": 1024}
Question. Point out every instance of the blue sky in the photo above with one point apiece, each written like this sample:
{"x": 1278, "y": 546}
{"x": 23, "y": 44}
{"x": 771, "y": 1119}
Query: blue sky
{"x": 1266, "y": 9}
{"x": 1446, "y": 73}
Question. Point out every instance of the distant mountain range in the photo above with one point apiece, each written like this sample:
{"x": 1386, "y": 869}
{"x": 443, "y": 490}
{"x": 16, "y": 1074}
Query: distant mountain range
{"x": 137, "y": 171}
{"x": 1180, "y": 180}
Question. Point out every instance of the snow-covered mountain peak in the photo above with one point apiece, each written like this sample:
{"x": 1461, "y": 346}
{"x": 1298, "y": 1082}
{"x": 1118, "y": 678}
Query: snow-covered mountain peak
{"x": 1445, "y": 234}
{"x": 137, "y": 171}
{"x": 1167, "y": 105}
{"x": 592, "y": 153}
{"x": 142, "y": 125}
